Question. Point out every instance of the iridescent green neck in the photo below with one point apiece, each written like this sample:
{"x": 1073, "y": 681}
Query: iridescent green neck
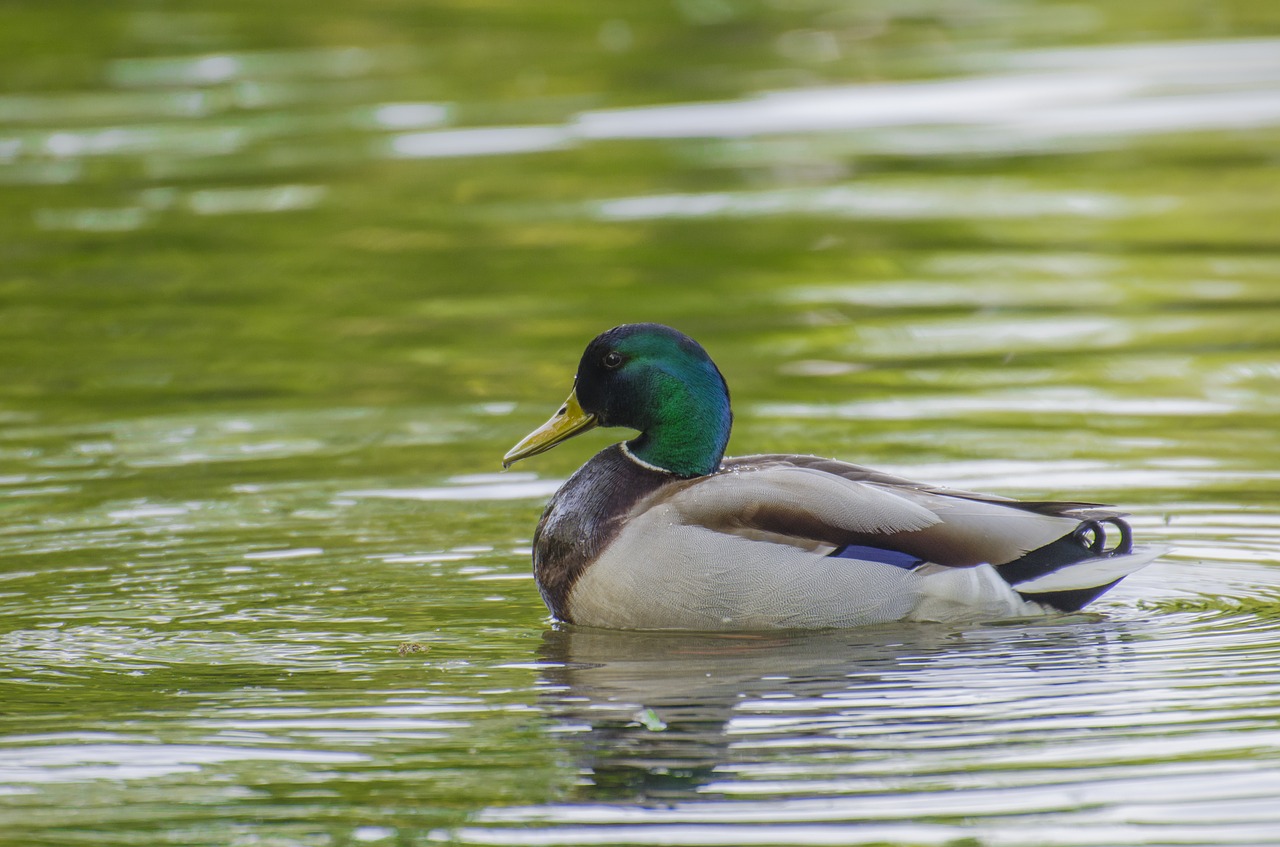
{"x": 688, "y": 425}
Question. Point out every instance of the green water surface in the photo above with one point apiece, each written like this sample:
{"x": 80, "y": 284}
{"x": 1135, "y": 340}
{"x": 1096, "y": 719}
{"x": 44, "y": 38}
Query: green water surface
{"x": 281, "y": 282}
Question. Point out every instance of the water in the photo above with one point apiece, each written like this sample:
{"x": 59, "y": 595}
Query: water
{"x": 280, "y": 285}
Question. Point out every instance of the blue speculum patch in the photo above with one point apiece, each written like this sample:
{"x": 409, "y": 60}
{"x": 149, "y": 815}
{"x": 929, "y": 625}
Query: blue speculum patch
{"x": 877, "y": 554}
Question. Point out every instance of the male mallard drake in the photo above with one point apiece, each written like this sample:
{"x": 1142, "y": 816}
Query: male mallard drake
{"x": 662, "y": 532}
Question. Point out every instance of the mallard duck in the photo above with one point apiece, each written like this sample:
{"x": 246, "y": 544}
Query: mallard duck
{"x": 663, "y": 532}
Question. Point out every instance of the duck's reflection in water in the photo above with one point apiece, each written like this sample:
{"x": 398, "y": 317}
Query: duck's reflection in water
{"x": 655, "y": 716}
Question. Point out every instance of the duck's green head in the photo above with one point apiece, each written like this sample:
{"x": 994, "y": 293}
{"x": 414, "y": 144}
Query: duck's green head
{"x": 651, "y": 378}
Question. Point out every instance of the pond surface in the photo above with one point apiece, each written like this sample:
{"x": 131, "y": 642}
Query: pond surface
{"x": 280, "y": 283}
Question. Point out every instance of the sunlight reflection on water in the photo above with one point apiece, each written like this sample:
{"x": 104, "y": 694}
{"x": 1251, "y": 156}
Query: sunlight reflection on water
{"x": 936, "y": 198}
{"x": 85, "y": 762}
{"x": 1080, "y": 97}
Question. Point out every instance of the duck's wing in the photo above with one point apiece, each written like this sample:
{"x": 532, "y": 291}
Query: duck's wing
{"x": 801, "y": 506}
{"x": 809, "y": 503}
{"x": 859, "y": 473}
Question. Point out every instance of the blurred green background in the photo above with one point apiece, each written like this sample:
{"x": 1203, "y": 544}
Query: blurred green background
{"x": 281, "y": 282}
{"x": 221, "y": 205}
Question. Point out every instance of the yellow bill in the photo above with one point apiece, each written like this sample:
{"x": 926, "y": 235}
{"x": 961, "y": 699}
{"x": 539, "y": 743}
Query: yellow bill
{"x": 567, "y": 422}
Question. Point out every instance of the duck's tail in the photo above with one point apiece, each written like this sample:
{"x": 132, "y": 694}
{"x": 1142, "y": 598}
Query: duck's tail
{"x": 1073, "y": 571}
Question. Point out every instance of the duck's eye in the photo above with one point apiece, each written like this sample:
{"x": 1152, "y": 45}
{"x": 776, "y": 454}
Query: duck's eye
{"x": 612, "y": 359}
